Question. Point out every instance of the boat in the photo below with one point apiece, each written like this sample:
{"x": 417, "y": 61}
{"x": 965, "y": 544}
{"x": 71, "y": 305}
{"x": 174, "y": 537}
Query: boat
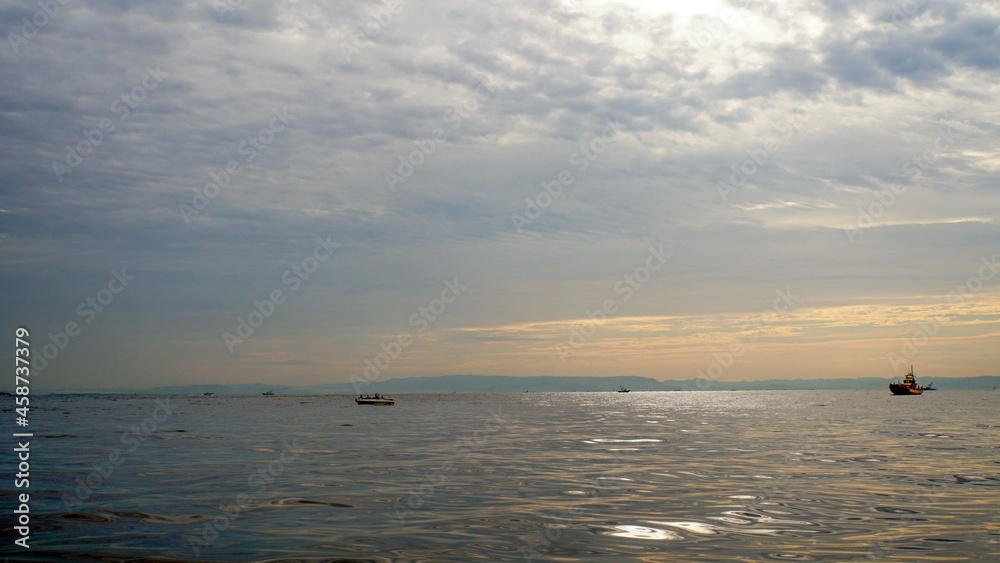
{"x": 622, "y": 389}
{"x": 907, "y": 387}
{"x": 209, "y": 394}
{"x": 375, "y": 400}
{"x": 268, "y": 393}
{"x": 930, "y": 387}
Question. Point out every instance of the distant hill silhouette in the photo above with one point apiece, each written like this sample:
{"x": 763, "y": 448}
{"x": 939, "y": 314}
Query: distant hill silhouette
{"x": 546, "y": 383}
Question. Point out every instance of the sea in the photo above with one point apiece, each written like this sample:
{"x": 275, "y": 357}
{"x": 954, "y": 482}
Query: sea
{"x": 601, "y": 476}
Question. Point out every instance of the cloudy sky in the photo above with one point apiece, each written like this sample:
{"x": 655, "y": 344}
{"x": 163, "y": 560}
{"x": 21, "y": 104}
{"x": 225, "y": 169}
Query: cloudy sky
{"x": 288, "y": 193}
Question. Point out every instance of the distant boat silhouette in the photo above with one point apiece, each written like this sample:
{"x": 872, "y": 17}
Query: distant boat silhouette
{"x": 375, "y": 400}
{"x": 268, "y": 393}
{"x": 622, "y": 389}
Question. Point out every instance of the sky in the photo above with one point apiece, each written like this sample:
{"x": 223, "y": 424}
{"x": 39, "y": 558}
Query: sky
{"x": 298, "y": 193}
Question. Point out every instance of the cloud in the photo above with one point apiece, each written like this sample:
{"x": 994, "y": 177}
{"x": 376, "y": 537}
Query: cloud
{"x": 834, "y": 102}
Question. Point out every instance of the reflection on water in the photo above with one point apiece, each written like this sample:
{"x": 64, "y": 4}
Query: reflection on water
{"x": 596, "y": 476}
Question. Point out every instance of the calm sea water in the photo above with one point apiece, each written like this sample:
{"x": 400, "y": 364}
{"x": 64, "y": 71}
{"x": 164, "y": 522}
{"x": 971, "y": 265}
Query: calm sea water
{"x": 674, "y": 476}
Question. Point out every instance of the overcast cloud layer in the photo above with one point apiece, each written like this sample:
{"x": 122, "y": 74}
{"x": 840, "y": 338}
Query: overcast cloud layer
{"x": 811, "y": 187}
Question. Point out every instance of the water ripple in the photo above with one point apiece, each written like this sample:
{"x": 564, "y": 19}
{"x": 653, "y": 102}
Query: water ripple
{"x": 646, "y": 476}
{"x": 301, "y": 501}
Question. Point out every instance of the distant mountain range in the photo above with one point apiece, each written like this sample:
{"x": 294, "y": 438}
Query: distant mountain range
{"x": 512, "y": 384}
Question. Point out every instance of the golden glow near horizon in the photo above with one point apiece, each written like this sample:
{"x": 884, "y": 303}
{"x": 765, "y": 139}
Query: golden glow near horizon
{"x": 879, "y": 336}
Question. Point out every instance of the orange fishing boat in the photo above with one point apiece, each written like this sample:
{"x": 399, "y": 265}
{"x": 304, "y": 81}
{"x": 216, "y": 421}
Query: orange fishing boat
{"x": 907, "y": 387}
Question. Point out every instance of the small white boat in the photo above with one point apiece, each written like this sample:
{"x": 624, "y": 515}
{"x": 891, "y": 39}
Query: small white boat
{"x": 375, "y": 400}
